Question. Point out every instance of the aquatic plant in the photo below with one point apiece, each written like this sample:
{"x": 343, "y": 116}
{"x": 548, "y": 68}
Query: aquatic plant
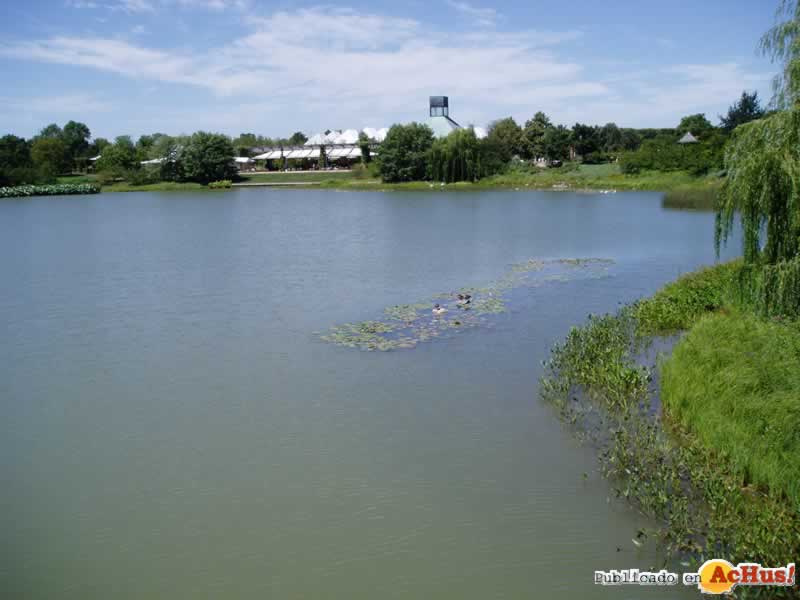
{"x": 406, "y": 325}
{"x": 48, "y": 190}
{"x": 692, "y": 465}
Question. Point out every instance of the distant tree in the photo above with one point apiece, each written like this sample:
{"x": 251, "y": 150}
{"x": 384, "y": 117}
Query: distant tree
{"x": 611, "y": 138}
{"x": 697, "y": 125}
{"x": 51, "y": 131}
{"x": 97, "y": 146}
{"x": 246, "y": 140}
{"x": 404, "y": 153}
{"x": 555, "y": 143}
{"x": 533, "y": 136}
{"x": 16, "y": 166}
{"x": 456, "y": 157}
{"x": 493, "y": 156}
{"x": 585, "y": 139}
{"x": 298, "y": 138}
{"x": 208, "y": 157}
{"x": 746, "y": 109}
{"x": 15, "y": 152}
{"x": 363, "y": 143}
{"x": 76, "y": 138}
{"x": 50, "y": 156}
{"x": 119, "y": 156}
{"x": 631, "y": 139}
{"x": 782, "y": 44}
{"x": 506, "y": 138}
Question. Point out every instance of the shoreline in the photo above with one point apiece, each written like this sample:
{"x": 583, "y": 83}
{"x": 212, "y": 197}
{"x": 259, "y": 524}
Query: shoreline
{"x": 655, "y": 423}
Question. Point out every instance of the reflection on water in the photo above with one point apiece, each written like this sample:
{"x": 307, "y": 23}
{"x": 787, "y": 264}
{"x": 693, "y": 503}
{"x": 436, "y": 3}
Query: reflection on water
{"x": 171, "y": 426}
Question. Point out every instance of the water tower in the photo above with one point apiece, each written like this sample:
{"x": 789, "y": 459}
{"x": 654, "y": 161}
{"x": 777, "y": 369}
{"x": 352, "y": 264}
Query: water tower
{"x": 440, "y": 120}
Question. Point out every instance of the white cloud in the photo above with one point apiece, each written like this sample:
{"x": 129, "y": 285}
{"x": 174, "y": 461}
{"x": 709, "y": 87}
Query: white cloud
{"x": 351, "y": 68}
{"x": 484, "y": 17}
{"x": 77, "y": 103}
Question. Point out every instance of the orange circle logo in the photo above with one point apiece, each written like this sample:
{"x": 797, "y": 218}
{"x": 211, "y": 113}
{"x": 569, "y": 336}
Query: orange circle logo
{"x": 715, "y": 577}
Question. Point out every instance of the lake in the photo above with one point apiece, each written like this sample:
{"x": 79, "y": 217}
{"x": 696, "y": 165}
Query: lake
{"x": 172, "y": 426}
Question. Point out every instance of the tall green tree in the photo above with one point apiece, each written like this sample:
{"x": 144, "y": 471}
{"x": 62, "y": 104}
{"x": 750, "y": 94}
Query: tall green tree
{"x": 15, "y": 152}
{"x": 782, "y": 45}
{"x": 585, "y": 139}
{"x": 119, "y": 156}
{"x": 76, "y": 138}
{"x": 363, "y": 144}
{"x": 505, "y": 136}
{"x": 746, "y": 109}
{"x": 698, "y": 125}
{"x": 611, "y": 138}
{"x": 15, "y": 161}
{"x": 763, "y": 186}
{"x": 404, "y": 153}
{"x": 50, "y": 155}
{"x": 456, "y": 157}
{"x": 556, "y": 143}
{"x": 298, "y": 138}
{"x": 51, "y": 131}
{"x": 208, "y": 157}
{"x": 533, "y": 135}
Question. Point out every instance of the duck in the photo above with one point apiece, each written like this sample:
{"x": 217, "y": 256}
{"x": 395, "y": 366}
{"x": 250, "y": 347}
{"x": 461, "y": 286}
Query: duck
{"x": 438, "y": 310}
{"x": 464, "y": 300}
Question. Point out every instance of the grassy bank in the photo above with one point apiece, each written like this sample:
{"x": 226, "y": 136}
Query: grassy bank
{"x": 296, "y": 176}
{"x": 163, "y": 186}
{"x": 716, "y": 464}
{"x": 734, "y": 382}
{"x": 683, "y": 190}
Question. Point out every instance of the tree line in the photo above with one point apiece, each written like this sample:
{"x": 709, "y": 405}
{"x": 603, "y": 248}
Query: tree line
{"x": 410, "y": 152}
{"x": 55, "y": 150}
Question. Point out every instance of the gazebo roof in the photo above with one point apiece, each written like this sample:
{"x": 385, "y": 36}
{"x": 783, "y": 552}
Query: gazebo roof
{"x": 688, "y": 139}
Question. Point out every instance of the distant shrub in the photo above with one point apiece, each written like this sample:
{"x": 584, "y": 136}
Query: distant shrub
{"x": 48, "y": 190}
{"x": 596, "y": 158}
{"x": 223, "y": 184}
{"x": 366, "y": 171}
{"x": 142, "y": 176}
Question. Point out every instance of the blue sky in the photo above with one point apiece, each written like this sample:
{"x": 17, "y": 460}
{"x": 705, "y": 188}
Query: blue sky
{"x": 176, "y": 66}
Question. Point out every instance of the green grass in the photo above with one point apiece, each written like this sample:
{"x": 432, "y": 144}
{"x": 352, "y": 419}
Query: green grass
{"x": 297, "y": 176}
{"x": 679, "y": 304}
{"x": 164, "y": 186}
{"x": 734, "y": 382}
{"x": 76, "y": 178}
{"x": 594, "y": 177}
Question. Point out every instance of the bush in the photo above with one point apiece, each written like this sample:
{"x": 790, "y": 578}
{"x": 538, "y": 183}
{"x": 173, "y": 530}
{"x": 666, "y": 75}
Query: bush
{"x": 220, "y": 185}
{"x": 679, "y": 304}
{"x": 404, "y": 153}
{"x": 142, "y": 176}
{"x": 48, "y": 190}
{"x": 208, "y": 157}
{"x": 596, "y": 158}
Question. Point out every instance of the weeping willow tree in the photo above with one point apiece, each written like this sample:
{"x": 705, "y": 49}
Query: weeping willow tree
{"x": 456, "y": 157}
{"x": 762, "y": 159}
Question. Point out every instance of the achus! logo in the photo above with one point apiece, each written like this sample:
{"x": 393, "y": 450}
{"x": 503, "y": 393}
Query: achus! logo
{"x": 718, "y": 576}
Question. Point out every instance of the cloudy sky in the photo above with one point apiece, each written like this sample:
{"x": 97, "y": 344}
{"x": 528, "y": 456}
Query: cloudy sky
{"x": 176, "y": 66}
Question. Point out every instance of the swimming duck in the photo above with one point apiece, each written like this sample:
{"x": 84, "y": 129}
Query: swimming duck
{"x": 438, "y": 310}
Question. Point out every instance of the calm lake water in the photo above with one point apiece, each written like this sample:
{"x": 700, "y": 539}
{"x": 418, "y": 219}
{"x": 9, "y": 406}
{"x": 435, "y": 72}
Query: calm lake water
{"x": 171, "y": 426}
